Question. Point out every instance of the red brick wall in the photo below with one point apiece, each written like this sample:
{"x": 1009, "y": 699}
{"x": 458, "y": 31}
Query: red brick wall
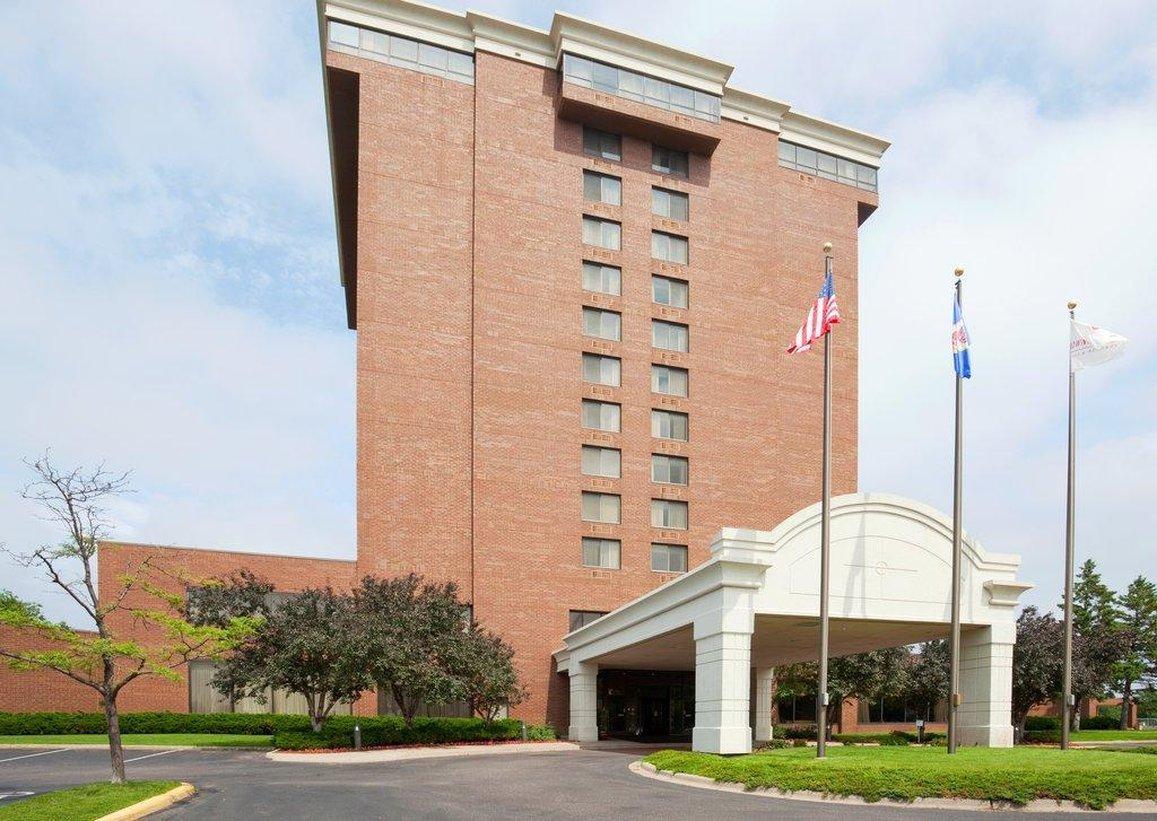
{"x": 40, "y": 690}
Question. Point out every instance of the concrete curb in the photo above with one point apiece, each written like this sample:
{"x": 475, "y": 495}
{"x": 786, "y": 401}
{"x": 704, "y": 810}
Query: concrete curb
{"x": 416, "y": 753}
{"x": 1126, "y": 805}
{"x": 152, "y": 805}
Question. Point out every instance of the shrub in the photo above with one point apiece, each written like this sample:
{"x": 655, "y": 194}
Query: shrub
{"x": 793, "y": 731}
{"x": 773, "y": 744}
{"x": 1102, "y": 722}
{"x": 1041, "y": 736}
{"x": 390, "y": 731}
{"x": 1038, "y": 723}
{"x": 799, "y": 742}
{"x": 896, "y": 738}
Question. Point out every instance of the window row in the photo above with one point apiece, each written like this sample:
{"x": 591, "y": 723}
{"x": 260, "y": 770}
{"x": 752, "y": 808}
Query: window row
{"x": 603, "y": 324}
{"x": 608, "y": 234}
{"x": 404, "y": 52}
{"x": 606, "y": 508}
{"x": 599, "y": 369}
{"x": 828, "y": 166}
{"x": 608, "y": 190}
{"x": 607, "y": 417}
{"x": 608, "y": 279}
{"x": 607, "y": 554}
{"x": 608, "y": 464}
{"x": 607, "y": 145}
{"x": 641, "y": 88}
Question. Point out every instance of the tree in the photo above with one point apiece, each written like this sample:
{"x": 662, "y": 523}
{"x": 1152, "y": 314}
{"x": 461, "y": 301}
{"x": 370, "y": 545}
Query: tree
{"x": 871, "y": 675}
{"x": 1036, "y": 662}
{"x": 1136, "y": 641}
{"x": 925, "y": 682}
{"x": 311, "y": 644}
{"x": 217, "y": 601}
{"x": 1095, "y": 623}
{"x": 104, "y": 659}
{"x": 415, "y": 639}
{"x": 487, "y": 670}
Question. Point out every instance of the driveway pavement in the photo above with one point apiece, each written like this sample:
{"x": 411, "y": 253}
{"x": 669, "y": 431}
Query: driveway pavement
{"x": 587, "y": 784}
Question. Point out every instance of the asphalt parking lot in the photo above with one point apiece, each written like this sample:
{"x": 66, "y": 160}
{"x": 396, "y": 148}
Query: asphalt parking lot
{"x": 242, "y": 784}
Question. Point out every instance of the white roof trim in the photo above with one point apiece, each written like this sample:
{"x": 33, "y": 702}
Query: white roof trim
{"x": 472, "y": 30}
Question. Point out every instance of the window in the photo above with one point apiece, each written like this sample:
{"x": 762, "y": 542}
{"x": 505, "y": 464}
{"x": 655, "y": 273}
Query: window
{"x": 605, "y": 508}
{"x": 669, "y": 161}
{"x": 666, "y": 247}
{"x": 828, "y": 166}
{"x": 602, "y": 462}
{"x": 603, "y": 233}
{"x": 602, "y": 279}
{"x": 669, "y": 470}
{"x": 671, "y": 381}
{"x": 673, "y": 205}
{"x": 602, "y": 324}
{"x": 602, "y": 144}
{"x": 581, "y": 618}
{"x": 668, "y": 513}
{"x": 670, "y": 336}
{"x": 403, "y": 52}
{"x": 669, "y": 558}
{"x": 669, "y": 425}
{"x": 667, "y": 291}
{"x": 602, "y": 370}
{"x": 605, "y": 416}
{"x": 601, "y": 553}
{"x": 602, "y": 188}
{"x": 640, "y": 88}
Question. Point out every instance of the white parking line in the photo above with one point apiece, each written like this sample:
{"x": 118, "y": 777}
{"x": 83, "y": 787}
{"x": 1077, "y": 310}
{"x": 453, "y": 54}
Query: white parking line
{"x": 32, "y": 755}
{"x": 152, "y": 755}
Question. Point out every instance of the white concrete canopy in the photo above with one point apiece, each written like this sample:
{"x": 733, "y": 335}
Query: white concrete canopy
{"x": 754, "y": 605}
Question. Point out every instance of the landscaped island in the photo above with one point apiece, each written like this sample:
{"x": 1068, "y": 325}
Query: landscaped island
{"x": 1092, "y": 778}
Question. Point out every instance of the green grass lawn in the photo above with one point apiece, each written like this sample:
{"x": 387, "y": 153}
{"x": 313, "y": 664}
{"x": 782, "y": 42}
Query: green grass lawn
{"x": 83, "y": 803}
{"x": 1115, "y": 735}
{"x": 1093, "y": 778}
{"x": 166, "y": 739}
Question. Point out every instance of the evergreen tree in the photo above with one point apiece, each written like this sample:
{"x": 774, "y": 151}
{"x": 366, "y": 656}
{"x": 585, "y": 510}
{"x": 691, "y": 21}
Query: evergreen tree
{"x": 1095, "y": 623}
{"x": 1136, "y": 641}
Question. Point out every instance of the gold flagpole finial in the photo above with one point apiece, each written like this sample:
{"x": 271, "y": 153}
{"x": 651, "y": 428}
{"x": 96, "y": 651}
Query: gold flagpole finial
{"x": 827, "y": 247}
{"x": 959, "y": 271}
{"x": 1072, "y": 306}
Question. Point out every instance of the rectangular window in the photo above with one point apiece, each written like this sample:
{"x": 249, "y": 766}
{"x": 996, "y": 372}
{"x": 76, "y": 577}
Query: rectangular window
{"x": 606, "y": 462}
{"x": 601, "y": 553}
{"x": 581, "y": 618}
{"x": 669, "y": 558}
{"x": 602, "y": 370}
{"x": 669, "y": 470}
{"x": 827, "y": 166}
{"x": 631, "y": 85}
{"x": 673, "y": 205}
{"x": 669, "y": 514}
{"x": 671, "y": 381}
{"x": 602, "y": 233}
{"x": 604, "y": 508}
{"x": 602, "y": 144}
{"x": 670, "y": 336}
{"x": 669, "y": 161}
{"x": 602, "y": 188}
{"x": 602, "y": 279}
{"x": 669, "y": 425}
{"x": 604, "y": 416}
{"x": 667, "y": 291}
{"x": 602, "y": 324}
{"x": 404, "y": 52}
{"x": 664, "y": 246}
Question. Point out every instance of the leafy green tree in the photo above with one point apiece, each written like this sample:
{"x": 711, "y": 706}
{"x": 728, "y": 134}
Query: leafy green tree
{"x": 312, "y": 644}
{"x": 486, "y": 667}
{"x": 1036, "y": 662}
{"x": 216, "y": 602}
{"x": 415, "y": 635}
{"x": 1136, "y": 641}
{"x": 871, "y": 675}
{"x": 104, "y": 658}
{"x": 1095, "y": 623}
{"x": 925, "y": 680}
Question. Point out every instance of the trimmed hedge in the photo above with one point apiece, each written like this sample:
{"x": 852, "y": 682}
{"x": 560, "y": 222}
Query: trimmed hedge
{"x": 1102, "y": 722}
{"x": 391, "y": 731}
{"x": 1042, "y": 723}
{"x": 85, "y": 723}
{"x": 896, "y": 738}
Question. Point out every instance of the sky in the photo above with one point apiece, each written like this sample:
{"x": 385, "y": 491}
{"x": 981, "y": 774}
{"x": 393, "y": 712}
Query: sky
{"x": 169, "y": 297}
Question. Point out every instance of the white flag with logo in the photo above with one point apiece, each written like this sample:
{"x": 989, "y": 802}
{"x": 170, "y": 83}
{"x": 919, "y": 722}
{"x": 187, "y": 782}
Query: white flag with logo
{"x": 1090, "y": 345}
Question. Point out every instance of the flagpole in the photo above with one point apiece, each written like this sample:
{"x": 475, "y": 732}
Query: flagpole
{"x": 1067, "y": 684}
{"x": 825, "y": 535}
{"x": 957, "y": 537}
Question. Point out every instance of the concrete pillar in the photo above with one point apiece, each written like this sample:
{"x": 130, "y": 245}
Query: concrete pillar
{"x": 985, "y": 714}
{"x": 723, "y": 675}
{"x": 764, "y": 699}
{"x": 584, "y": 679}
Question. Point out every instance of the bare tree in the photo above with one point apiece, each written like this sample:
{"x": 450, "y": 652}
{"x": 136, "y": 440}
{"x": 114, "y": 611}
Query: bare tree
{"x": 103, "y": 659}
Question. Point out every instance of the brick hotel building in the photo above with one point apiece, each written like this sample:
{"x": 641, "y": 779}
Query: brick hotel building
{"x": 573, "y": 259}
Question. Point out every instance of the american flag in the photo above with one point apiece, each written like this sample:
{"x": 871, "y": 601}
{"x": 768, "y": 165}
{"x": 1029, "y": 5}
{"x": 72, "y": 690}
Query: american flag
{"x": 822, "y": 316}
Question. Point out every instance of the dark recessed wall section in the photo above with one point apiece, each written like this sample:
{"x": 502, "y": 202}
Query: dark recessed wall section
{"x": 343, "y": 103}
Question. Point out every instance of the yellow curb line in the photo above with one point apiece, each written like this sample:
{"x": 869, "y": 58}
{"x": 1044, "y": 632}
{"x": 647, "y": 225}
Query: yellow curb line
{"x": 152, "y": 805}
